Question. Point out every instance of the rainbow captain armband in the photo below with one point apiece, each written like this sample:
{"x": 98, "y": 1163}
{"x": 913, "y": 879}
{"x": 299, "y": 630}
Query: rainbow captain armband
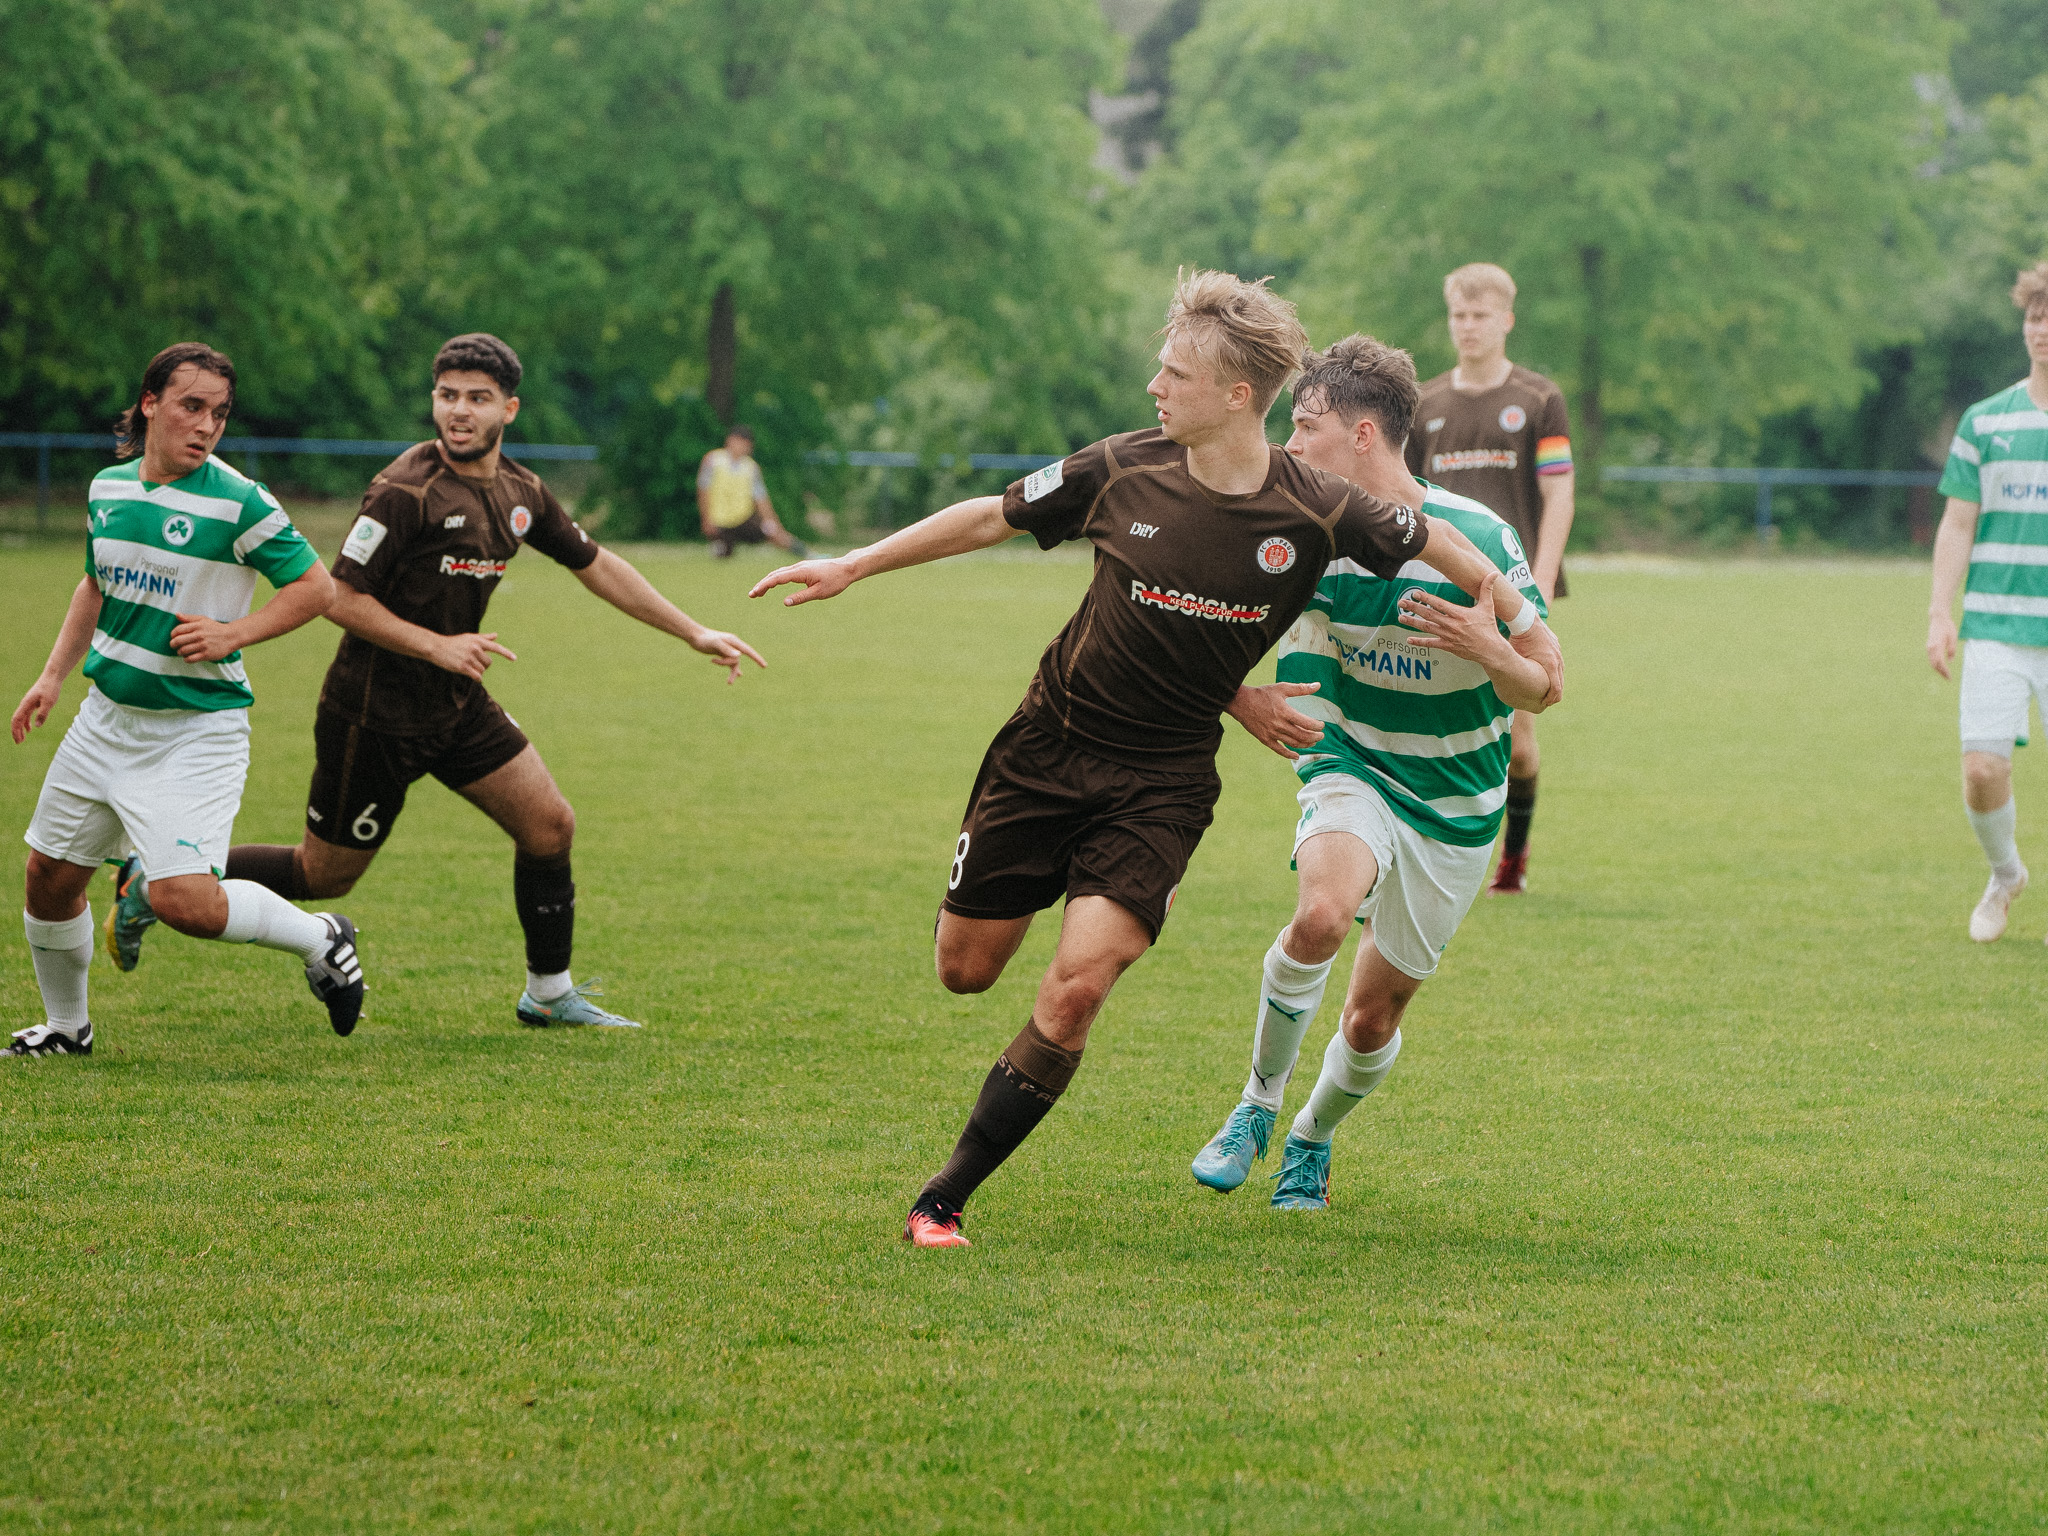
{"x": 1553, "y": 455}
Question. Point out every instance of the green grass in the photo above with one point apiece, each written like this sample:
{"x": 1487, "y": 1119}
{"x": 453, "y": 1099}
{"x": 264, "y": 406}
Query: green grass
{"x": 1708, "y": 1194}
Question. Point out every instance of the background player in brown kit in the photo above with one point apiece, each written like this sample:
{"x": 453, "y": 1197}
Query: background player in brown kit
{"x": 1209, "y": 542}
{"x": 405, "y": 696}
{"x": 1498, "y": 432}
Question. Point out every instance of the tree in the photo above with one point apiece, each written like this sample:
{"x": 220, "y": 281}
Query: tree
{"x": 265, "y": 177}
{"x": 1708, "y": 209}
{"x": 720, "y": 208}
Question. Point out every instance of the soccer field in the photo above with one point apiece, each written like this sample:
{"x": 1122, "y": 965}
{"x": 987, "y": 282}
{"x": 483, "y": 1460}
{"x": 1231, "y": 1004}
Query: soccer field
{"x": 1707, "y": 1195}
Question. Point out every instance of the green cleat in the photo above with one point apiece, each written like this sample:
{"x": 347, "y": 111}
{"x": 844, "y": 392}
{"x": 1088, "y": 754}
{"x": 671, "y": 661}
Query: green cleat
{"x": 571, "y": 1008}
{"x": 130, "y": 917}
{"x": 1226, "y": 1161}
{"x": 1303, "y": 1182}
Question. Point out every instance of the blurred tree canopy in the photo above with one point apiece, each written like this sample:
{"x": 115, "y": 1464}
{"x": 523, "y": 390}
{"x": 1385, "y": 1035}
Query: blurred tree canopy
{"x": 1743, "y": 232}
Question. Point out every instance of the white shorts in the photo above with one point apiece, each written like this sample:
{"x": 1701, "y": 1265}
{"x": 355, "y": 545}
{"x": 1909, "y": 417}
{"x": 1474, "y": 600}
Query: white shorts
{"x": 1425, "y": 887}
{"x": 1998, "y": 679}
{"x": 165, "y": 782}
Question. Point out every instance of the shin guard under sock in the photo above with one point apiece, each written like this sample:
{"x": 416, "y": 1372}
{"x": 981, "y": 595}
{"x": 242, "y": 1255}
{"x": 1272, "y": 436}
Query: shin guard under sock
{"x": 1347, "y": 1077}
{"x": 1289, "y": 994}
{"x": 62, "y": 952}
{"x": 545, "y": 896}
{"x": 1025, "y": 1082}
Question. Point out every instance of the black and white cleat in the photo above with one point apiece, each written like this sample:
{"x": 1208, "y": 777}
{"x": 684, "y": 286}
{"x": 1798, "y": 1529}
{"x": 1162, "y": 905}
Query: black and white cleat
{"x": 49, "y": 1040}
{"x": 337, "y": 976}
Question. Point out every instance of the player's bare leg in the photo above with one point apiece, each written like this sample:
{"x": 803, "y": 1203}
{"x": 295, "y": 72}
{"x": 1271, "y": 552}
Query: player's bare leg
{"x": 1987, "y": 796}
{"x": 1511, "y": 877}
{"x": 1337, "y": 871}
{"x": 523, "y": 798}
{"x": 1360, "y": 1055}
{"x": 1099, "y": 939}
{"x": 971, "y": 953}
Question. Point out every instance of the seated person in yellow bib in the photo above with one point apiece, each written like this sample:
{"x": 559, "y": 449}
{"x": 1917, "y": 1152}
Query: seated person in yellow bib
{"x": 732, "y": 499}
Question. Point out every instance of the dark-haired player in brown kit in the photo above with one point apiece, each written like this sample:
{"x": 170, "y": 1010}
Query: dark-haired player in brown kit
{"x": 1499, "y": 433}
{"x": 405, "y": 696}
{"x": 1209, "y": 542}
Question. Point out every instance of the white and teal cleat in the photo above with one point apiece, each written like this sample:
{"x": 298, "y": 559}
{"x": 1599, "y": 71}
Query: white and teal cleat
{"x": 1226, "y": 1161}
{"x": 130, "y": 917}
{"x": 572, "y": 1008}
{"x": 1303, "y": 1182}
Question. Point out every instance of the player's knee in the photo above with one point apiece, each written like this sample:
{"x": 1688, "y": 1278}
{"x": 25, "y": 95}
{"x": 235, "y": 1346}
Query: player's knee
{"x": 1985, "y": 776}
{"x": 1523, "y": 762}
{"x": 554, "y": 833}
{"x": 966, "y": 973}
{"x": 1320, "y": 924}
{"x": 325, "y": 887}
{"x": 188, "y": 911}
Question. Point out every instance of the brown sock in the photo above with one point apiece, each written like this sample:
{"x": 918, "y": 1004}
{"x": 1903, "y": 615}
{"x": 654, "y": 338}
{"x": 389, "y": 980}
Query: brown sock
{"x": 1521, "y": 811}
{"x": 1022, "y": 1085}
{"x": 274, "y": 866}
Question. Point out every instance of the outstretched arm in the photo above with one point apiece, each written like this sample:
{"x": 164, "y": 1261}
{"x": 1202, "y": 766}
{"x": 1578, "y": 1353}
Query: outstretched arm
{"x": 1521, "y": 681}
{"x": 299, "y": 601}
{"x": 74, "y": 639}
{"x": 1459, "y": 559}
{"x": 618, "y": 582}
{"x": 977, "y": 523}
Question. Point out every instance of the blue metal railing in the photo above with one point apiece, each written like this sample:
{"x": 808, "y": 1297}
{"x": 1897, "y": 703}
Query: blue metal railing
{"x": 1765, "y": 479}
{"x": 254, "y": 448}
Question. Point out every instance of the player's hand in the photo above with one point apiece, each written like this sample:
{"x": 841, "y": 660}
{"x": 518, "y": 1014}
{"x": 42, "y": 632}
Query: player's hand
{"x": 727, "y": 650}
{"x": 198, "y": 638}
{"x": 1472, "y": 633}
{"x": 1941, "y": 643}
{"x": 35, "y": 706}
{"x": 469, "y": 655}
{"x": 818, "y": 578}
{"x": 1264, "y": 714}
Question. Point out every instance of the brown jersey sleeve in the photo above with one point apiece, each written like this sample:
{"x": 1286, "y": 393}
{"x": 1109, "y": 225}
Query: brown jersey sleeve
{"x": 389, "y": 520}
{"x": 1052, "y": 504}
{"x": 1380, "y": 535}
{"x": 557, "y": 535}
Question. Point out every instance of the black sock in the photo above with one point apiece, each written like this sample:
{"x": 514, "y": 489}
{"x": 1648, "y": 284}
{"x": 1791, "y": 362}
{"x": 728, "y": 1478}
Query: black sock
{"x": 274, "y": 866}
{"x": 1521, "y": 811}
{"x": 1023, "y": 1084}
{"x": 546, "y": 899}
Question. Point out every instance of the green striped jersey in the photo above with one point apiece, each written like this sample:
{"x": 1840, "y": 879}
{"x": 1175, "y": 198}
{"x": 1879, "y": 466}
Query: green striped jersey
{"x": 1999, "y": 460}
{"x": 1422, "y": 726}
{"x": 195, "y": 547}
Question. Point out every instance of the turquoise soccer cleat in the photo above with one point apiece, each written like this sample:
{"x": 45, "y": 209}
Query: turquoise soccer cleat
{"x": 1303, "y": 1182}
{"x": 130, "y": 917}
{"x": 1226, "y": 1161}
{"x": 571, "y": 1008}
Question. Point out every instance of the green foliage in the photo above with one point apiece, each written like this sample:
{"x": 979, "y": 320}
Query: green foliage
{"x": 262, "y": 176}
{"x": 1698, "y": 246}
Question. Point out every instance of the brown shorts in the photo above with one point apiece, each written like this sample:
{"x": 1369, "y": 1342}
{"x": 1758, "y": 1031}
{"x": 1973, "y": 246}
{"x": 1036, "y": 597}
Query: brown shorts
{"x": 360, "y": 776}
{"x": 1047, "y": 820}
{"x": 752, "y": 531}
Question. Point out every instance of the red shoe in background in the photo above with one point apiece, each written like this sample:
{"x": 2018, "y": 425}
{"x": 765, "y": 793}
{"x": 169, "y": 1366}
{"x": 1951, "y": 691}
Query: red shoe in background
{"x": 1512, "y": 876}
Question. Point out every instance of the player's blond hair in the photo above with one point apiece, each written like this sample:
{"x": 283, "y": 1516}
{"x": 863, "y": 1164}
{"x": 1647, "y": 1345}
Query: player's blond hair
{"x": 2031, "y": 291}
{"x": 1480, "y": 280}
{"x": 1241, "y": 330}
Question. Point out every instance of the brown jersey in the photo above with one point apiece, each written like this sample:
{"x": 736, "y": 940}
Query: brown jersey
{"x": 1191, "y": 588}
{"x": 432, "y": 546}
{"x": 1494, "y": 445}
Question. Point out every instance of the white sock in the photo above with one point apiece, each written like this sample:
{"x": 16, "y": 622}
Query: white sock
{"x": 1289, "y": 995}
{"x": 1994, "y": 831}
{"x": 258, "y": 915}
{"x": 1347, "y": 1078}
{"x": 63, "y": 954}
{"x": 545, "y": 989}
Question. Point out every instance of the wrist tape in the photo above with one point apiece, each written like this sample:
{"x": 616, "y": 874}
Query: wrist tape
{"x": 1525, "y": 620}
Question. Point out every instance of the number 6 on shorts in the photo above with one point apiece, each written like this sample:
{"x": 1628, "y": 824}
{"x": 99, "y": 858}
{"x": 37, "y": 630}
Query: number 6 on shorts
{"x": 959, "y": 861}
{"x": 363, "y": 829}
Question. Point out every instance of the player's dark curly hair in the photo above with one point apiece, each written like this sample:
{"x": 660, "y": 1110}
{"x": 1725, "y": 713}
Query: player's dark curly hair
{"x": 131, "y": 427}
{"x": 1361, "y": 377}
{"x": 480, "y": 352}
